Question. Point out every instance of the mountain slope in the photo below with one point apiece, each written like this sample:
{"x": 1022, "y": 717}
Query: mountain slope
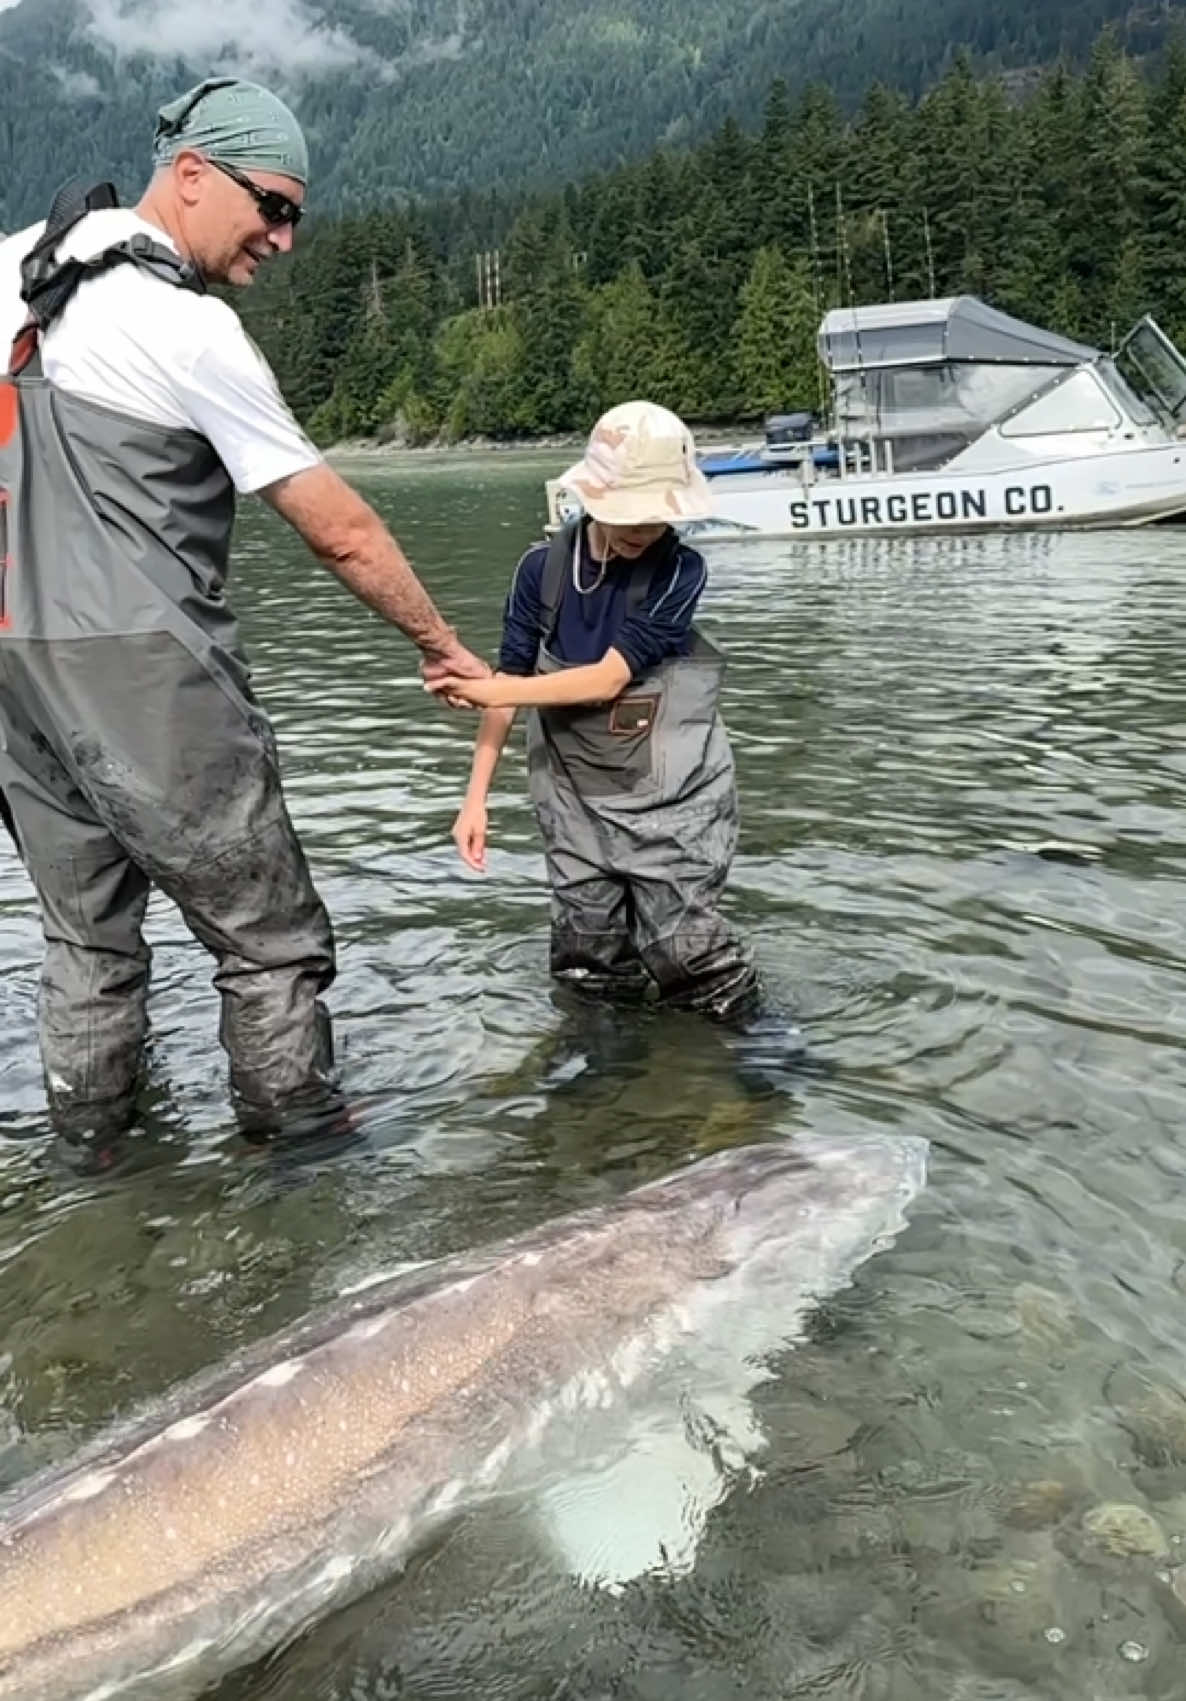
{"x": 407, "y": 97}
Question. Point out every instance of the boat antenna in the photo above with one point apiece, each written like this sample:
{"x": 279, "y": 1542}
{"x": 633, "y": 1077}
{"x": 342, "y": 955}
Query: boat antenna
{"x": 844, "y": 257}
{"x": 815, "y": 266}
{"x": 889, "y": 258}
{"x": 817, "y": 295}
{"x": 926, "y": 231}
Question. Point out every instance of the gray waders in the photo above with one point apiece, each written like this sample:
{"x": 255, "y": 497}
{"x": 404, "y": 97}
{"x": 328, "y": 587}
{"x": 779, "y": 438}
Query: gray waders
{"x": 637, "y": 806}
{"x": 132, "y": 751}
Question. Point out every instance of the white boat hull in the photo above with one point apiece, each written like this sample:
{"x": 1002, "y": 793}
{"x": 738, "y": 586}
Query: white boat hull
{"x": 1117, "y": 488}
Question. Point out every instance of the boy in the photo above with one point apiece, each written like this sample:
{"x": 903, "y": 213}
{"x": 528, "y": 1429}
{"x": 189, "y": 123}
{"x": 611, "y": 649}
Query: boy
{"x": 629, "y": 765}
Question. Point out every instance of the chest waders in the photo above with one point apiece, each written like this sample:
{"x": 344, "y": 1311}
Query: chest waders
{"x": 132, "y": 751}
{"x": 637, "y": 805}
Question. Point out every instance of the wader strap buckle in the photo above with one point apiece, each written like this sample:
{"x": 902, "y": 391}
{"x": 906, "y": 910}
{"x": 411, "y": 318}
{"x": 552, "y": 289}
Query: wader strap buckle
{"x": 24, "y": 347}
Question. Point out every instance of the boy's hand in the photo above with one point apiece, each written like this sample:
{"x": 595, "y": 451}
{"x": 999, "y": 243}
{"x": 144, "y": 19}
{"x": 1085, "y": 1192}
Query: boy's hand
{"x": 469, "y": 835}
{"x": 475, "y": 693}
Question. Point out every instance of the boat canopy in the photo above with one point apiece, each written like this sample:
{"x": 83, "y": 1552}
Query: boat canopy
{"x": 920, "y": 333}
{"x": 931, "y": 376}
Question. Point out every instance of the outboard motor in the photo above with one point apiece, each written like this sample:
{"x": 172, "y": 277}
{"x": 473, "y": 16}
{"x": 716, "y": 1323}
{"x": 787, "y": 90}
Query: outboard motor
{"x": 785, "y": 430}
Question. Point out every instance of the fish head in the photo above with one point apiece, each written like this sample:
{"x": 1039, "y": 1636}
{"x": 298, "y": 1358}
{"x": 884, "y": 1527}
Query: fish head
{"x": 805, "y": 1210}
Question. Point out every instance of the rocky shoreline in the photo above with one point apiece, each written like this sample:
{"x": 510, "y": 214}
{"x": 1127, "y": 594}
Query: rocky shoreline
{"x": 570, "y": 444}
{"x": 372, "y": 448}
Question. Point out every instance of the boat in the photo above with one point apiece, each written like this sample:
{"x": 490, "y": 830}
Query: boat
{"x": 952, "y": 416}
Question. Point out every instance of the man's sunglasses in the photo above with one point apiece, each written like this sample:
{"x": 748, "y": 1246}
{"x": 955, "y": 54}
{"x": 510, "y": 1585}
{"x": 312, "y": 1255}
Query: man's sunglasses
{"x": 275, "y": 209}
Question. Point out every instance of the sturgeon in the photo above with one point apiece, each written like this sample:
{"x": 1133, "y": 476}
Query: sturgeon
{"x": 259, "y": 1497}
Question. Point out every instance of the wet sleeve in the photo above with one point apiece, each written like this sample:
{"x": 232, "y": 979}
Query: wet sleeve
{"x": 228, "y": 391}
{"x": 521, "y": 620}
{"x": 659, "y": 627}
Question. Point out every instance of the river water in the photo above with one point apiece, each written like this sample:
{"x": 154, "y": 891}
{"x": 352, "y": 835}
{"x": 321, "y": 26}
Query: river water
{"x": 963, "y": 862}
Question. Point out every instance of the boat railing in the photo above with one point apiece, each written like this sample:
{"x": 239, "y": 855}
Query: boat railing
{"x": 829, "y": 454}
{"x": 864, "y": 456}
{"x": 836, "y": 455}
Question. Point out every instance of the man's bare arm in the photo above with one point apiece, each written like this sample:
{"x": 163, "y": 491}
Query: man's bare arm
{"x": 347, "y": 536}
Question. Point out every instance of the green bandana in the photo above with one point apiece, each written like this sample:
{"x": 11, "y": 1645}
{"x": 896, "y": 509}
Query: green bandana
{"x": 240, "y": 123}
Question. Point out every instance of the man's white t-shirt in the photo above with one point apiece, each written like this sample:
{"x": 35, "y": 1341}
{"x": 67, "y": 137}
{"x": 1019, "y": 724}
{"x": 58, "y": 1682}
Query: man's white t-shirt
{"x": 131, "y": 342}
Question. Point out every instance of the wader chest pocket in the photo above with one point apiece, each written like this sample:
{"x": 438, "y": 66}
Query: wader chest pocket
{"x": 630, "y": 716}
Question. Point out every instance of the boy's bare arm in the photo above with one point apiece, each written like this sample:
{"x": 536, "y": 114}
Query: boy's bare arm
{"x": 469, "y": 829}
{"x": 493, "y": 731}
{"x": 597, "y": 682}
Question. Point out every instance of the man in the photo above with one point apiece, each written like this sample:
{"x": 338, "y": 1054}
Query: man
{"x": 132, "y": 750}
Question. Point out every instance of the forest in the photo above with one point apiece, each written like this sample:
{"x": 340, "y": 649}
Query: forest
{"x": 697, "y": 276}
{"x": 408, "y": 99}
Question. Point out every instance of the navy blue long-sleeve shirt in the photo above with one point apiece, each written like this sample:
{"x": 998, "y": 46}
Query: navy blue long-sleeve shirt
{"x": 587, "y": 626}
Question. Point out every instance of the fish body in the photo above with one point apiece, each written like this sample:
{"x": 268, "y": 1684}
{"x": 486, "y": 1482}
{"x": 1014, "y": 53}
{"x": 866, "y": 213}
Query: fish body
{"x": 260, "y": 1496}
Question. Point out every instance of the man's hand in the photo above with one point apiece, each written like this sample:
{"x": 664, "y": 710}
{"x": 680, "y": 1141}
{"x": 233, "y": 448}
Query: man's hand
{"x": 454, "y": 662}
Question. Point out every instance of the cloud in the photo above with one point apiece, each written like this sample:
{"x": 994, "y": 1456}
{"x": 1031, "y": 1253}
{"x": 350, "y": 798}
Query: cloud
{"x": 76, "y": 85}
{"x": 427, "y": 52}
{"x": 225, "y": 35}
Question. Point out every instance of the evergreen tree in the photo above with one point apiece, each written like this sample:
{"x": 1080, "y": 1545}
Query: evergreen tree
{"x": 631, "y": 348}
{"x": 883, "y": 237}
{"x": 656, "y": 216}
{"x": 479, "y": 357}
{"x": 818, "y": 222}
{"x": 1006, "y": 255}
{"x": 1109, "y": 258}
{"x": 782, "y": 204}
{"x": 1053, "y": 146}
{"x": 1128, "y": 295}
{"x": 1066, "y": 308}
{"x": 1168, "y": 88}
{"x": 692, "y": 296}
{"x": 549, "y": 311}
{"x": 775, "y": 335}
{"x": 1166, "y": 223}
{"x": 955, "y": 163}
{"x": 612, "y": 234}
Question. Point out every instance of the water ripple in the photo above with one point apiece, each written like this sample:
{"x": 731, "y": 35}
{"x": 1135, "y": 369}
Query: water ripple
{"x": 963, "y": 862}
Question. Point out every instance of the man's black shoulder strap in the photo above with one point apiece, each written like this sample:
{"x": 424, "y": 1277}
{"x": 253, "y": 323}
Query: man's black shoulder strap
{"x": 47, "y": 284}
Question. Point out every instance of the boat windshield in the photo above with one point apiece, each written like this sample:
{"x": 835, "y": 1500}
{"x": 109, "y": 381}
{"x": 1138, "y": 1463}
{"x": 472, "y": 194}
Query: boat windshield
{"x": 1134, "y": 406}
{"x": 1152, "y": 366}
{"x": 931, "y": 412}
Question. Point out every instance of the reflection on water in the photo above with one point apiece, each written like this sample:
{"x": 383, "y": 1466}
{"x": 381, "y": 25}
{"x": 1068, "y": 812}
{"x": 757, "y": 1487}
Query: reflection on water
{"x": 963, "y": 859}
